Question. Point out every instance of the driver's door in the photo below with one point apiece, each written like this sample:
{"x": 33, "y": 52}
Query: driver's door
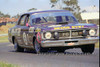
{"x": 23, "y": 30}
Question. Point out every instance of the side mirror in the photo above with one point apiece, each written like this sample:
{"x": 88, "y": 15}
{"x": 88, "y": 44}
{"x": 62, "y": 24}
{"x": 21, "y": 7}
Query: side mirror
{"x": 27, "y": 25}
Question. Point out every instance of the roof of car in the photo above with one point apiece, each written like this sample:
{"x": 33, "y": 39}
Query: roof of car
{"x": 46, "y": 11}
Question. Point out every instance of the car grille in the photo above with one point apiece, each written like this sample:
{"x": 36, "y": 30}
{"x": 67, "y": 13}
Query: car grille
{"x": 64, "y": 34}
{"x": 70, "y": 34}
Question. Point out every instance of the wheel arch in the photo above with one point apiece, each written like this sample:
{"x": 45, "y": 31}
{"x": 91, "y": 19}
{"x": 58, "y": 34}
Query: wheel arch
{"x": 13, "y": 38}
{"x": 34, "y": 37}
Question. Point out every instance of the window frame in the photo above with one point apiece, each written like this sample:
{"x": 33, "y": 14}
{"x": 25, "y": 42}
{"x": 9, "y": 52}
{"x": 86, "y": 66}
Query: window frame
{"x": 25, "y": 20}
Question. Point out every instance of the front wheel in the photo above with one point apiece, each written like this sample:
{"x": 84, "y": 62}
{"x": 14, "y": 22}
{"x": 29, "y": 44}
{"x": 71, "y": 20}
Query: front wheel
{"x": 17, "y": 48}
{"x": 88, "y": 48}
{"x": 38, "y": 49}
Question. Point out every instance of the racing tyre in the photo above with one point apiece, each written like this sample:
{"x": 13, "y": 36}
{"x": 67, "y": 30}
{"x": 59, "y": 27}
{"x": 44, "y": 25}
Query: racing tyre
{"x": 17, "y": 48}
{"x": 88, "y": 48}
{"x": 38, "y": 49}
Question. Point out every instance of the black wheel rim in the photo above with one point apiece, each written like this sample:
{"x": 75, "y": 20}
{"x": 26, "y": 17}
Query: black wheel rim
{"x": 37, "y": 47}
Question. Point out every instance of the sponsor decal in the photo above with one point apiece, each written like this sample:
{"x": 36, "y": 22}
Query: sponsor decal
{"x": 31, "y": 29}
{"x": 38, "y": 30}
{"x": 68, "y": 27}
{"x": 18, "y": 31}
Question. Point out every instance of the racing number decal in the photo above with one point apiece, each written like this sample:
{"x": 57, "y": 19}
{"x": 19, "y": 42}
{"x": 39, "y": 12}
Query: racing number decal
{"x": 25, "y": 38}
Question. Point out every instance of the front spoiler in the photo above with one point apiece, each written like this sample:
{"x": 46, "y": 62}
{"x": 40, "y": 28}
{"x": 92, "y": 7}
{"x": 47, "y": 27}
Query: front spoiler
{"x": 69, "y": 42}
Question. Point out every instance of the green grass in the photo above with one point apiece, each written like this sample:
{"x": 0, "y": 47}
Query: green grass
{"x": 3, "y": 39}
{"x": 97, "y": 45}
{"x": 3, "y": 64}
{"x": 11, "y": 25}
{"x": 4, "y": 28}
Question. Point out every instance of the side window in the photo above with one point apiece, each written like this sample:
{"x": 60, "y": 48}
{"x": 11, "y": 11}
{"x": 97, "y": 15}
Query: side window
{"x": 67, "y": 19}
{"x": 22, "y": 21}
{"x": 38, "y": 20}
{"x": 70, "y": 18}
{"x": 58, "y": 18}
{"x": 27, "y": 19}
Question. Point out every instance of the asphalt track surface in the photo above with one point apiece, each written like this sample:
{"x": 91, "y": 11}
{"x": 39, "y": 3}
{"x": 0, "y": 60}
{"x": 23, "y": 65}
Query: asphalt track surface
{"x": 72, "y": 58}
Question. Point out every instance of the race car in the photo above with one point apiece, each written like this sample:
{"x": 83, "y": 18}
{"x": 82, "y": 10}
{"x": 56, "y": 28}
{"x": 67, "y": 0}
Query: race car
{"x": 52, "y": 29}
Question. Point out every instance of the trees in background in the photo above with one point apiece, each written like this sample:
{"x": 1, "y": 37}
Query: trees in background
{"x": 1, "y": 14}
{"x": 16, "y": 16}
{"x": 71, "y": 5}
{"x": 32, "y": 9}
{"x": 4, "y": 15}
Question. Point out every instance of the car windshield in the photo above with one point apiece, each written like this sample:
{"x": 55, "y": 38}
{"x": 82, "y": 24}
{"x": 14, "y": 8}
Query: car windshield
{"x": 53, "y": 17}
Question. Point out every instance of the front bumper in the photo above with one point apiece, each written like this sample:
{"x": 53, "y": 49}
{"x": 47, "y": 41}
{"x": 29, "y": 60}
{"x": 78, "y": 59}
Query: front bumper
{"x": 69, "y": 42}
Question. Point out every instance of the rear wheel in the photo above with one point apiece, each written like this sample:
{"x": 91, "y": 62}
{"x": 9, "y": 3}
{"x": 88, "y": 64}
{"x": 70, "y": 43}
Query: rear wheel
{"x": 88, "y": 48}
{"x": 17, "y": 48}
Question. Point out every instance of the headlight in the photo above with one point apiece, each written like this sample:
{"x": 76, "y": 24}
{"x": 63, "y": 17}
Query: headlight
{"x": 92, "y": 32}
{"x": 48, "y": 35}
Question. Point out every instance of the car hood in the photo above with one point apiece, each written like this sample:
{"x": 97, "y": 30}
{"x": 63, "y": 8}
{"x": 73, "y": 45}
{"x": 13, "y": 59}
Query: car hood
{"x": 52, "y": 27}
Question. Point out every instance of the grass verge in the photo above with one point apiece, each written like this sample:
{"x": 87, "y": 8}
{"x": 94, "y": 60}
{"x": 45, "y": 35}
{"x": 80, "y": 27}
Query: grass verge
{"x": 97, "y": 45}
{"x": 3, "y": 64}
{"x": 4, "y": 28}
{"x": 3, "y": 39}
